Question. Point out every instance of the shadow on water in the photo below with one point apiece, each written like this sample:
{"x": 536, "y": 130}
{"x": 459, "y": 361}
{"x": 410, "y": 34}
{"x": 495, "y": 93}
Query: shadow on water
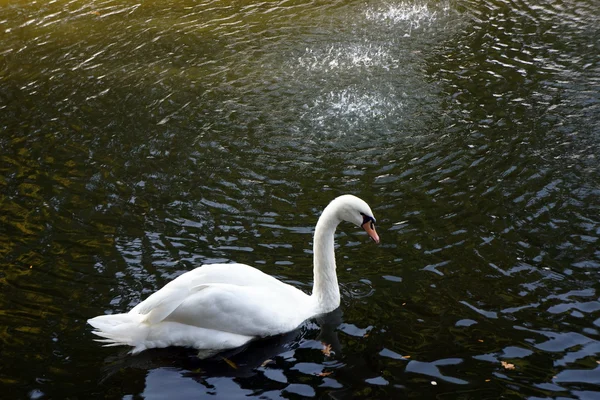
{"x": 258, "y": 367}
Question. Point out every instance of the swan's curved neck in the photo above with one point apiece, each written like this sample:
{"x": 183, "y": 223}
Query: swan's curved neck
{"x": 326, "y": 291}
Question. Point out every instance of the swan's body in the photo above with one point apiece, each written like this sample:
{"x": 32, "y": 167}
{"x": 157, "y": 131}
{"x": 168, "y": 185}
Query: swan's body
{"x": 222, "y": 306}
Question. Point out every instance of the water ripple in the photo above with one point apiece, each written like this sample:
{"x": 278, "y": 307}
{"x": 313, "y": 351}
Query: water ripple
{"x": 144, "y": 139}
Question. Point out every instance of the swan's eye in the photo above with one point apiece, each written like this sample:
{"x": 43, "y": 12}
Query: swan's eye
{"x": 367, "y": 219}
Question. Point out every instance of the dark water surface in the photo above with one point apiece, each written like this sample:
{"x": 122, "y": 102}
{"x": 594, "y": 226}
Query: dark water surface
{"x": 141, "y": 139}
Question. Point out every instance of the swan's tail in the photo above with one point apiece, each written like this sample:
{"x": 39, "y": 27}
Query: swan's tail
{"x": 121, "y": 330}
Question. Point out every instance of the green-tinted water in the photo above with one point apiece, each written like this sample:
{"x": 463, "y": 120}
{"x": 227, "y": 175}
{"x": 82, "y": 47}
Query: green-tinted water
{"x": 139, "y": 140}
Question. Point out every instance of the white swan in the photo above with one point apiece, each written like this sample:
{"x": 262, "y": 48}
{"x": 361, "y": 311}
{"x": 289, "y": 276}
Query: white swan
{"x": 223, "y": 306}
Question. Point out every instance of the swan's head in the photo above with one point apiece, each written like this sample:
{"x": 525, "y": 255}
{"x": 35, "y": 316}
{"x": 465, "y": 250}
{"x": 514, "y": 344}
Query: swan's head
{"x": 354, "y": 210}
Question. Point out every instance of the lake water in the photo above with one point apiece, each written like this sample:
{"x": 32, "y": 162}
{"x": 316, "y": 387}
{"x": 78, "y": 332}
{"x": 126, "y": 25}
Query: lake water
{"x": 139, "y": 140}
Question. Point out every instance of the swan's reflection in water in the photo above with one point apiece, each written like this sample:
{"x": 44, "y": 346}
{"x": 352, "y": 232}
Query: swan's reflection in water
{"x": 263, "y": 368}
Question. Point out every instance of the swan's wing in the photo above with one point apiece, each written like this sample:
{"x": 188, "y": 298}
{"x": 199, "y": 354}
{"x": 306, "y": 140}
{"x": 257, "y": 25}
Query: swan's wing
{"x": 162, "y": 302}
{"x": 244, "y": 310}
{"x": 232, "y": 298}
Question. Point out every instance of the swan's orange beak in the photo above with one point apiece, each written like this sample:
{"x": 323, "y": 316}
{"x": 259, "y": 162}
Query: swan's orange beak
{"x": 369, "y": 227}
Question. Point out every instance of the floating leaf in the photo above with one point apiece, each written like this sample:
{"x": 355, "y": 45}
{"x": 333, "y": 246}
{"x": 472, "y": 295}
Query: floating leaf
{"x": 325, "y": 373}
{"x": 507, "y": 365}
